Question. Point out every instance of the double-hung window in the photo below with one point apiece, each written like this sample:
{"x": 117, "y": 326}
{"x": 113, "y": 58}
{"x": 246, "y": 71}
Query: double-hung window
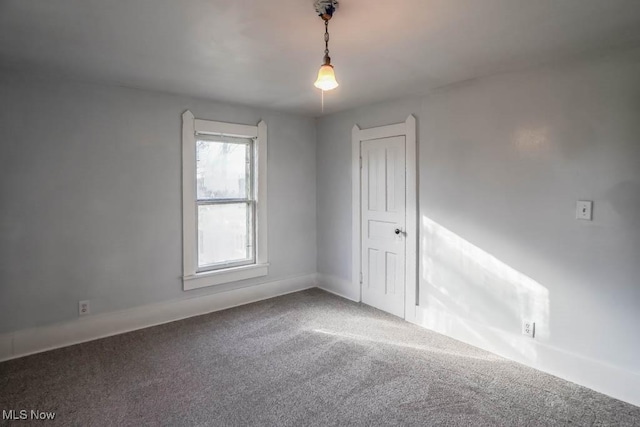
{"x": 224, "y": 202}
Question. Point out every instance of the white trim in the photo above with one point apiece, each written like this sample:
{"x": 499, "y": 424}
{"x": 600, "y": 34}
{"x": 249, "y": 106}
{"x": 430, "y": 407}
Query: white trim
{"x": 189, "y": 244}
{"x": 411, "y": 274}
{"x": 408, "y": 130}
{"x": 388, "y": 131}
{"x": 340, "y": 287}
{"x": 261, "y": 195}
{"x": 227, "y": 129}
{"x": 6, "y": 346}
{"x": 88, "y": 328}
{"x": 217, "y": 277}
{"x": 190, "y": 128}
{"x": 599, "y": 376}
{"x": 356, "y": 164}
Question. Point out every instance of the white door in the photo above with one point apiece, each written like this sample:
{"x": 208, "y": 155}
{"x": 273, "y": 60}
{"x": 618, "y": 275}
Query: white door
{"x": 383, "y": 223}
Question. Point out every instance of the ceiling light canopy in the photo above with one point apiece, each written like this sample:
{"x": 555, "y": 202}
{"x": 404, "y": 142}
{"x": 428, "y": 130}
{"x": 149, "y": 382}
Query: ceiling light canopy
{"x": 326, "y": 75}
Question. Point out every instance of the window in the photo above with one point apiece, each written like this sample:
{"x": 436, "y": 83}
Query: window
{"x": 224, "y": 202}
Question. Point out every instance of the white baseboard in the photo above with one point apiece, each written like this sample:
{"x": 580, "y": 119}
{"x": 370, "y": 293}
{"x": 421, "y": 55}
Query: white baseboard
{"x": 6, "y": 346}
{"x": 337, "y": 286}
{"x": 35, "y": 340}
{"x": 611, "y": 380}
{"x": 604, "y": 378}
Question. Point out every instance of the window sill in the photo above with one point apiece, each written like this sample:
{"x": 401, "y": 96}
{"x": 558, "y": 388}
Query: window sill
{"x": 212, "y": 278}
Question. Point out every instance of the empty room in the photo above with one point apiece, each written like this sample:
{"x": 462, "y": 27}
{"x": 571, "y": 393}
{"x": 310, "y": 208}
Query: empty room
{"x": 320, "y": 212}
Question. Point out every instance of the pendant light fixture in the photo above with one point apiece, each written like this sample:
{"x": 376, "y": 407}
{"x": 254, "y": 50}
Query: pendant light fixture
{"x": 326, "y": 75}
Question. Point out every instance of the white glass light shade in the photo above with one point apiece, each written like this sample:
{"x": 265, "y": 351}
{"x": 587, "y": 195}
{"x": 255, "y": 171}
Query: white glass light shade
{"x": 326, "y": 78}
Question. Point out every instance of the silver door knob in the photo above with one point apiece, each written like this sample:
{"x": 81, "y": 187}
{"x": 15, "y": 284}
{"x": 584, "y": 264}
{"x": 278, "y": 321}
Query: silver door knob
{"x": 397, "y": 231}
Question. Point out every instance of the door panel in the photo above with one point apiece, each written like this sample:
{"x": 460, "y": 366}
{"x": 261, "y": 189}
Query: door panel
{"x": 383, "y": 211}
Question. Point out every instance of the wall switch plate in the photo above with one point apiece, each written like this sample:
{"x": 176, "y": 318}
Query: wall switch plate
{"x": 83, "y": 308}
{"x": 584, "y": 209}
{"x": 528, "y": 328}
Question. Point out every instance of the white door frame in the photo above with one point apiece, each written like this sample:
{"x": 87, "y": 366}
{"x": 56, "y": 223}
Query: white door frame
{"x": 408, "y": 130}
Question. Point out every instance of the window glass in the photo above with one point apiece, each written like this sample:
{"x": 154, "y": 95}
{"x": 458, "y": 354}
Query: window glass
{"x": 225, "y": 234}
{"x": 222, "y": 170}
{"x": 225, "y": 204}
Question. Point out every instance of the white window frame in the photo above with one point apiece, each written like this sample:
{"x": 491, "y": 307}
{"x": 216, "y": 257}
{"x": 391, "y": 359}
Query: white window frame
{"x": 191, "y": 128}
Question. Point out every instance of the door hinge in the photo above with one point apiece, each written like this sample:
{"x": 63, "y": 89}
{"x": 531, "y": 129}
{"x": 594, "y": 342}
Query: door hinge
{"x": 360, "y": 277}
{"x": 360, "y": 162}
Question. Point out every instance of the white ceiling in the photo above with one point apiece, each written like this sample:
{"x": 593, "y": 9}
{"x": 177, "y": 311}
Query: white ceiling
{"x": 266, "y": 53}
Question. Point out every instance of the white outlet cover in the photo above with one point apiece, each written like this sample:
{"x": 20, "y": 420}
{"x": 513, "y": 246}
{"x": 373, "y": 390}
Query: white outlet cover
{"x": 528, "y": 328}
{"x": 83, "y": 308}
{"x": 584, "y": 209}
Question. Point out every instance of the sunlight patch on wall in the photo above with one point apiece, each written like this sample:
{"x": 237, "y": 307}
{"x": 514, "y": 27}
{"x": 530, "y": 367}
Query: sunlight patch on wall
{"x": 466, "y": 291}
{"x": 530, "y": 141}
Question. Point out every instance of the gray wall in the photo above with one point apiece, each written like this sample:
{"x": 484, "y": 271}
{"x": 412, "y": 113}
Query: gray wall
{"x": 91, "y": 208}
{"x": 90, "y": 193}
{"x": 502, "y": 162}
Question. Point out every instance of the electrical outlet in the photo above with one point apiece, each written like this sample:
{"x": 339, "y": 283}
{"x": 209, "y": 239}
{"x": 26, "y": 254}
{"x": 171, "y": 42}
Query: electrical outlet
{"x": 83, "y": 308}
{"x": 528, "y": 328}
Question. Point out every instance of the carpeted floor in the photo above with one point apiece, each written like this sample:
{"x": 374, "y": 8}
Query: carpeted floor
{"x": 308, "y": 358}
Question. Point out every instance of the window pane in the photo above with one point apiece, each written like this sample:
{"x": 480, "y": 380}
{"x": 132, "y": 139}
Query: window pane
{"x": 224, "y": 234}
{"x": 222, "y": 171}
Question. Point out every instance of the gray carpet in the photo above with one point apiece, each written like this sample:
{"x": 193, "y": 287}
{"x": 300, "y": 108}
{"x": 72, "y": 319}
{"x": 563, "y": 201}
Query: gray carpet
{"x": 308, "y": 358}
